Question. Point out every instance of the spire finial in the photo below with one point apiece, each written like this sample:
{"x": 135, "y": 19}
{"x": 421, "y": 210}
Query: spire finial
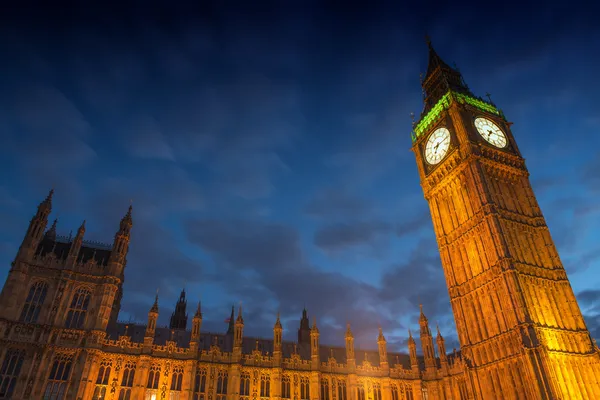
{"x": 199, "y": 310}
{"x": 428, "y": 41}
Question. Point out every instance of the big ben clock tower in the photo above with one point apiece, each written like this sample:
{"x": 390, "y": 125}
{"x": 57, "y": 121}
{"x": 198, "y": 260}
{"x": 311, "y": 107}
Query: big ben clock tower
{"x": 518, "y": 321}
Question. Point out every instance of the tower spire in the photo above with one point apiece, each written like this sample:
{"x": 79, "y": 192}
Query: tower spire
{"x": 179, "y": 316}
{"x": 231, "y": 320}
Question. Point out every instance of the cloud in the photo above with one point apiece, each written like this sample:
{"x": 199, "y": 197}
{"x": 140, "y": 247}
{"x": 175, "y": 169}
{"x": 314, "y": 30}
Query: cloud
{"x": 340, "y": 236}
{"x": 331, "y": 203}
{"x": 146, "y": 140}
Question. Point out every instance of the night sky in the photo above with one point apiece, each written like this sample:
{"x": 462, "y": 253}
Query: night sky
{"x": 266, "y": 148}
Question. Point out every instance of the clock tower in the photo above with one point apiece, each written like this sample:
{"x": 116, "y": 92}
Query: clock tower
{"x": 518, "y": 321}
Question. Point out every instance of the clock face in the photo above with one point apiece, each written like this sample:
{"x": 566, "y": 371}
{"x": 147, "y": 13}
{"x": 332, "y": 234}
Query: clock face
{"x": 437, "y": 145}
{"x": 490, "y": 132}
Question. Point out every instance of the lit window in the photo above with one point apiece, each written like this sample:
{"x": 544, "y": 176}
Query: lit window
{"x": 265, "y": 386}
{"x": 360, "y": 393}
{"x": 102, "y": 380}
{"x": 176, "y": 380}
{"x": 376, "y": 391}
{"x": 33, "y": 302}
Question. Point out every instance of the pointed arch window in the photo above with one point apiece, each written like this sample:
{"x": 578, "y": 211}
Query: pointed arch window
{"x": 244, "y": 385}
{"x": 324, "y": 389}
{"x": 222, "y": 385}
{"x": 153, "y": 377}
{"x": 304, "y": 388}
{"x": 200, "y": 384}
{"x": 78, "y": 309}
{"x": 286, "y": 393}
{"x": 395, "y": 394}
{"x": 265, "y": 386}
{"x": 9, "y": 372}
{"x": 376, "y": 391}
{"x": 58, "y": 377}
{"x": 102, "y": 380}
{"x": 342, "y": 394}
{"x": 33, "y": 302}
{"x": 127, "y": 381}
{"x": 360, "y": 393}
{"x": 176, "y": 381}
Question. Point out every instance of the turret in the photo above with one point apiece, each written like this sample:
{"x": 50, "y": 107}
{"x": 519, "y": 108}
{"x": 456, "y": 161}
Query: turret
{"x": 238, "y": 332}
{"x": 277, "y": 339}
{"x": 314, "y": 345}
{"x": 350, "y": 347}
{"x": 304, "y": 330}
{"x": 76, "y": 246}
{"x": 151, "y": 327}
{"x": 412, "y": 352}
{"x": 441, "y": 348}
{"x": 382, "y": 347}
{"x": 36, "y": 229}
{"x": 51, "y": 233}
{"x": 426, "y": 341}
{"x": 118, "y": 255}
{"x": 179, "y": 317}
{"x": 196, "y": 325}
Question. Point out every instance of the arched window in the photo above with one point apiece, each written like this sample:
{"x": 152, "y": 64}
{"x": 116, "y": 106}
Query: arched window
{"x": 176, "y": 380}
{"x": 58, "y": 377}
{"x": 324, "y": 389}
{"x": 285, "y": 387}
{"x": 102, "y": 380}
{"x": 394, "y": 389}
{"x": 245, "y": 385}
{"x": 33, "y": 302}
{"x": 409, "y": 393}
{"x": 342, "y": 390}
{"x": 9, "y": 372}
{"x": 78, "y": 309}
{"x": 153, "y": 377}
{"x": 200, "y": 384}
{"x": 222, "y": 385}
{"x": 376, "y": 391}
{"x": 304, "y": 388}
{"x": 127, "y": 381}
{"x": 360, "y": 393}
{"x": 265, "y": 386}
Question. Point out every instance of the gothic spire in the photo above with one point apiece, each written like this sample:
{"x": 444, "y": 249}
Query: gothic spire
{"x": 198, "y": 311}
{"x": 154, "y": 308}
{"x": 440, "y": 79}
{"x": 179, "y": 316}
{"x": 231, "y": 320}
{"x": 51, "y": 233}
{"x": 239, "y": 317}
{"x": 278, "y": 322}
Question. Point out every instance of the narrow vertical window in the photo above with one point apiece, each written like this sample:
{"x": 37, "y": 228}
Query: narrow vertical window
{"x": 244, "y": 385}
{"x": 200, "y": 384}
{"x": 127, "y": 381}
{"x": 342, "y": 395}
{"x": 58, "y": 377}
{"x": 9, "y": 372}
{"x": 222, "y": 385}
{"x": 265, "y": 386}
{"x": 376, "y": 391}
{"x": 304, "y": 388}
{"x": 153, "y": 377}
{"x": 33, "y": 302}
{"x": 102, "y": 380}
{"x": 285, "y": 387}
{"x": 324, "y": 389}
{"x": 78, "y": 309}
{"x": 176, "y": 381}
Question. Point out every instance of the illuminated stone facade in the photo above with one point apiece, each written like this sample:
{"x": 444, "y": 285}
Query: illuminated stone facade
{"x": 521, "y": 331}
{"x": 60, "y": 339}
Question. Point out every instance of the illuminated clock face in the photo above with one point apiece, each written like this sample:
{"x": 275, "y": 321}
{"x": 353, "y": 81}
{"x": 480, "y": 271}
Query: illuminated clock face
{"x": 490, "y": 132}
{"x": 437, "y": 145}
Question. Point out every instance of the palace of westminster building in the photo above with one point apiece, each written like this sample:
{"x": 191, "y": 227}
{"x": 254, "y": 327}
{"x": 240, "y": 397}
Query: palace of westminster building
{"x": 521, "y": 331}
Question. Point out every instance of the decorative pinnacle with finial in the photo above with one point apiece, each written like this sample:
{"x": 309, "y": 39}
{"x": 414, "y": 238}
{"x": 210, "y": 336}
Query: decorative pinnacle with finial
{"x": 489, "y": 97}
{"x": 428, "y": 40}
{"x": 412, "y": 117}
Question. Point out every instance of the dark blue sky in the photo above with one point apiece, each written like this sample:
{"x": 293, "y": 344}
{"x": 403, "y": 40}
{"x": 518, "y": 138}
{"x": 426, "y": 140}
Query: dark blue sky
{"x": 266, "y": 148}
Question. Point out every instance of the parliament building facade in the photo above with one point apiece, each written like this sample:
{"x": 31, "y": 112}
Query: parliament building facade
{"x": 521, "y": 331}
